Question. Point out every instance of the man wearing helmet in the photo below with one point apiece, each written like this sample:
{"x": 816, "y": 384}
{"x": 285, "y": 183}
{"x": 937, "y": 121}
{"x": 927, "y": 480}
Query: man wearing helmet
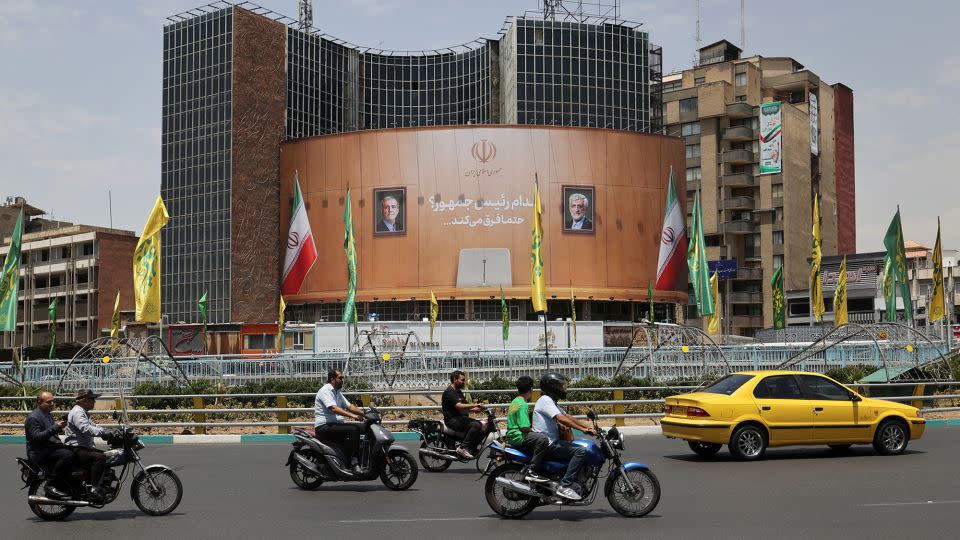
{"x": 547, "y": 417}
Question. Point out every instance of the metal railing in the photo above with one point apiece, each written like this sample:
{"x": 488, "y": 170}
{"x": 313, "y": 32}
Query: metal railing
{"x": 200, "y": 411}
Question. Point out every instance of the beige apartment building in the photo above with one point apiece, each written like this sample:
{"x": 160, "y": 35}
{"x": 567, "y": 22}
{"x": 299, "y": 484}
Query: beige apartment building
{"x": 763, "y": 220}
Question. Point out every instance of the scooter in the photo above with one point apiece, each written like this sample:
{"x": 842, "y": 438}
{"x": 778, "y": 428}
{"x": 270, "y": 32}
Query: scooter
{"x": 313, "y": 462}
{"x": 631, "y": 488}
{"x": 438, "y": 446}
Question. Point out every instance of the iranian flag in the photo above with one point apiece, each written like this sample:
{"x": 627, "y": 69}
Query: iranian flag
{"x": 301, "y": 249}
{"x": 673, "y": 244}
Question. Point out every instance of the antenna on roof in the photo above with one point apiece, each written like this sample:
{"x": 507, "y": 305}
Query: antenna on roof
{"x": 696, "y": 53}
{"x": 743, "y": 25}
{"x": 306, "y": 15}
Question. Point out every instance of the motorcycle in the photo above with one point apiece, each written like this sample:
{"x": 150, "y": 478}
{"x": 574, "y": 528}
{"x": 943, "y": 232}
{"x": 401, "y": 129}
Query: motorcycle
{"x": 631, "y": 488}
{"x": 438, "y": 442}
{"x": 313, "y": 462}
{"x": 156, "y": 489}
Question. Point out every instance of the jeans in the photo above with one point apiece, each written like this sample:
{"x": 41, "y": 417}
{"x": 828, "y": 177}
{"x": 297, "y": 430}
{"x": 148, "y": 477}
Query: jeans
{"x": 345, "y": 436}
{"x": 536, "y": 445}
{"x": 469, "y": 426}
{"x": 572, "y": 454}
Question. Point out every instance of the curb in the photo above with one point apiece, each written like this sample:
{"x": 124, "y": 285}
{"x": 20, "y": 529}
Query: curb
{"x": 399, "y": 436}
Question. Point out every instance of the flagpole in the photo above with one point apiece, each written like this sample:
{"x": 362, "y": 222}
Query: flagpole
{"x": 546, "y": 340}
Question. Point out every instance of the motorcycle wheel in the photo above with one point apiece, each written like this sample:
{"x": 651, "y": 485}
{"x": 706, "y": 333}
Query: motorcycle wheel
{"x": 401, "y": 472}
{"x": 487, "y": 459}
{"x": 302, "y": 477}
{"x": 433, "y": 464}
{"x": 160, "y": 501}
{"x": 48, "y": 512}
{"x": 507, "y": 503}
{"x": 637, "y": 504}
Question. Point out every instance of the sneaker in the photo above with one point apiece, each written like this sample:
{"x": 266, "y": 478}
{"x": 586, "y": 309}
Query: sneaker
{"x": 568, "y": 493}
{"x": 464, "y": 453}
{"x": 534, "y": 477}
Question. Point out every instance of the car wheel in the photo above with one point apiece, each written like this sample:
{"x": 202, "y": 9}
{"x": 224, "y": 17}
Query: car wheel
{"x": 748, "y": 442}
{"x": 891, "y": 437}
{"x": 704, "y": 449}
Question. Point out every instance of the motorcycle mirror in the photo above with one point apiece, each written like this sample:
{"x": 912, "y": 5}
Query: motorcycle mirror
{"x": 591, "y": 415}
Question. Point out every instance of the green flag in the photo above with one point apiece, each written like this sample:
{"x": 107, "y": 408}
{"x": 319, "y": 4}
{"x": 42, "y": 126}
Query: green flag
{"x": 202, "y": 308}
{"x": 650, "y": 297}
{"x": 779, "y": 306}
{"x": 893, "y": 241}
{"x": 887, "y": 283}
{"x": 350, "y": 248}
{"x": 505, "y": 315}
{"x": 697, "y": 263}
{"x": 52, "y": 310}
{"x": 10, "y": 280}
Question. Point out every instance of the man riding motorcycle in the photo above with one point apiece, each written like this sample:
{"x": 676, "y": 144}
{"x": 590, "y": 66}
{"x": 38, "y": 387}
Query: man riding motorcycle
{"x": 547, "y": 417}
{"x": 80, "y": 432}
{"x": 456, "y": 414}
{"x": 330, "y": 408}
{"x": 44, "y": 448}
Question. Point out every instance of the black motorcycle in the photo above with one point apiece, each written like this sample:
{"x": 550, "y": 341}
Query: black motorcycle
{"x": 438, "y": 442}
{"x": 156, "y": 489}
{"x": 313, "y": 462}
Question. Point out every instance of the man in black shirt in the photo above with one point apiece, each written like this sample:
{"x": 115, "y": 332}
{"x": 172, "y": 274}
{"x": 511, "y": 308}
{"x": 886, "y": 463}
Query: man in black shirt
{"x": 456, "y": 414}
{"x": 43, "y": 443}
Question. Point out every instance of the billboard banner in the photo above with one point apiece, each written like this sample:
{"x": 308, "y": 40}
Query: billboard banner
{"x": 814, "y": 125}
{"x": 771, "y": 138}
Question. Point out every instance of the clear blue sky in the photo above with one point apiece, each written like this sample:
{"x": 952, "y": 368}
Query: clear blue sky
{"x": 80, "y": 89}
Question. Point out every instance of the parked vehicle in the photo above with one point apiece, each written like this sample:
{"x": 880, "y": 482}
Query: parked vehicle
{"x": 631, "y": 488}
{"x": 438, "y": 442}
{"x": 752, "y": 410}
{"x": 313, "y": 462}
{"x": 156, "y": 489}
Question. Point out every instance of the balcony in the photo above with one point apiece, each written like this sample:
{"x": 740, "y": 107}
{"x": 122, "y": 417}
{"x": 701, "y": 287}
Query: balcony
{"x": 749, "y": 273}
{"x": 738, "y": 203}
{"x": 739, "y": 226}
{"x": 740, "y": 110}
{"x": 737, "y": 157}
{"x": 739, "y": 133}
{"x": 693, "y": 185}
{"x": 736, "y": 180}
{"x": 745, "y": 298}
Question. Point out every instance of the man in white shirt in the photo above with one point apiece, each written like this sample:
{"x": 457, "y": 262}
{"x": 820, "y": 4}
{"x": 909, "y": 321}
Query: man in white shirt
{"x": 547, "y": 417}
{"x": 80, "y": 432}
{"x": 330, "y": 409}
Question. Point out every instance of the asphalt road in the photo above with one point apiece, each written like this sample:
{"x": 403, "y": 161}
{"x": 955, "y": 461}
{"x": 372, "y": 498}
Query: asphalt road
{"x": 244, "y": 491}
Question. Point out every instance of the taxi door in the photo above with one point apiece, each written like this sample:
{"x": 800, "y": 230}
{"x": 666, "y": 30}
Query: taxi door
{"x": 789, "y": 417}
{"x": 835, "y": 415}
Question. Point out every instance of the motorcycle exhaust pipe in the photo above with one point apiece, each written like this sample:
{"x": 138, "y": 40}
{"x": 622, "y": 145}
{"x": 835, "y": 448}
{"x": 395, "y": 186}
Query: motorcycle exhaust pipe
{"x": 37, "y": 499}
{"x": 307, "y": 464}
{"x": 517, "y": 487}
{"x": 435, "y": 454}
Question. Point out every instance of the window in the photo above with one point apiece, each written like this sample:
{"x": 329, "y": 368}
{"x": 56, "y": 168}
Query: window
{"x": 672, "y": 85}
{"x": 693, "y": 173}
{"x": 693, "y": 151}
{"x": 688, "y": 105}
{"x": 740, "y": 79}
{"x": 727, "y": 385}
{"x": 778, "y": 238}
{"x": 689, "y": 128}
{"x": 777, "y": 261}
{"x": 823, "y": 388}
{"x": 699, "y": 80}
{"x": 778, "y": 387}
{"x": 776, "y": 191}
{"x": 778, "y": 215}
{"x": 740, "y": 99}
{"x": 259, "y": 341}
{"x": 751, "y": 246}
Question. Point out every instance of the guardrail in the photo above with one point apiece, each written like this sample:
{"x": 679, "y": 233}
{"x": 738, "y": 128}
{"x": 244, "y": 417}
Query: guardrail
{"x": 282, "y": 412}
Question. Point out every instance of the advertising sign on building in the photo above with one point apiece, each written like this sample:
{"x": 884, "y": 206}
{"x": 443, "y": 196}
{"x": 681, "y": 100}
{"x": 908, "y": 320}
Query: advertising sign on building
{"x": 725, "y": 268}
{"x": 814, "y": 125}
{"x": 771, "y": 138}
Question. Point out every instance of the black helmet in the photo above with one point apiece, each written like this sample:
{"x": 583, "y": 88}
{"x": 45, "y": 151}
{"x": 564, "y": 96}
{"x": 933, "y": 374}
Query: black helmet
{"x": 554, "y": 385}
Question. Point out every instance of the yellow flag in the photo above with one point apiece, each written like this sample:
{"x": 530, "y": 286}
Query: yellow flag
{"x": 840, "y": 296}
{"x": 434, "y": 311}
{"x": 283, "y": 307}
{"x": 713, "y": 321}
{"x": 816, "y": 255}
{"x": 538, "y": 295}
{"x": 146, "y": 265}
{"x": 115, "y": 322}
{"x": 937, "y": 302}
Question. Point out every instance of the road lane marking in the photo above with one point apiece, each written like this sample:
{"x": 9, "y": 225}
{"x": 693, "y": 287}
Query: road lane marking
{"x": 914, "y": 503}
{"x": 412, "y": 520}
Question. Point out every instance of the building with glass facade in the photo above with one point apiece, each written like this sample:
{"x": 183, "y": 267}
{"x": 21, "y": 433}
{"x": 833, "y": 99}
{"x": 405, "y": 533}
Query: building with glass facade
{"x": 237, "y": 81}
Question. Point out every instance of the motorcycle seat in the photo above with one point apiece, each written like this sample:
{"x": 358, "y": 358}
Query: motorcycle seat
{"x": 450, "y": 432}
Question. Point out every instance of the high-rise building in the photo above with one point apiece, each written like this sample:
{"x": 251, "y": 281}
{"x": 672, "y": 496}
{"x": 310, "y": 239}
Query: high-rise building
{"x": 237, "y": 81}
{"x": 763, "y": 135}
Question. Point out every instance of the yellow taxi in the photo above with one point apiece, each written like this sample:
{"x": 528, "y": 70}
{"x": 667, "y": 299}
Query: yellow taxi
{"x": 752, "y": 410}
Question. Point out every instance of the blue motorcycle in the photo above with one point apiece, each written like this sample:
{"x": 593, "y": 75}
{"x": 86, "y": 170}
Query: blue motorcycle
{"x": 631, "y": 488}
